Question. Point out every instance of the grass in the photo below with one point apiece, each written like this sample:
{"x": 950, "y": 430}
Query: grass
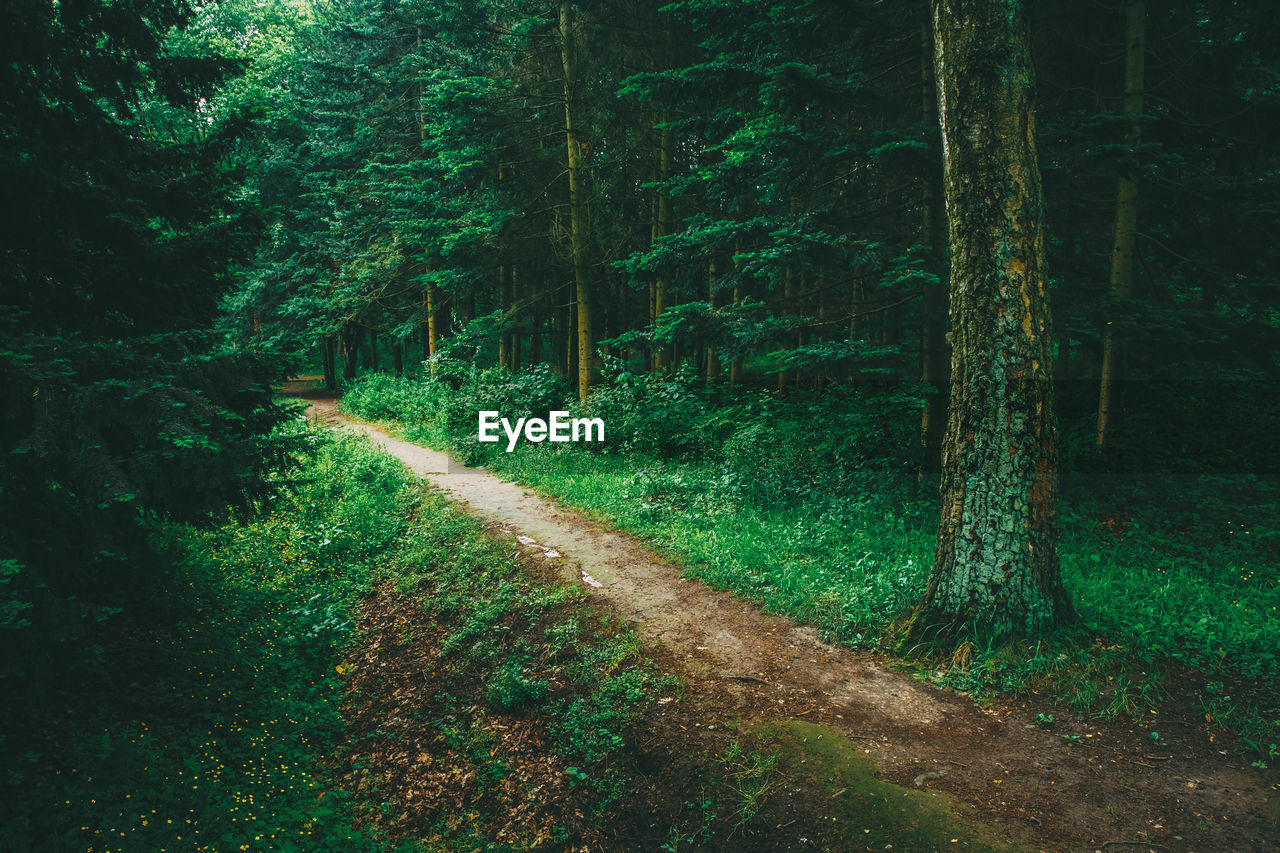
{"x": 359, "y": 666}
{"x": 1180, "y": 577}
{"x": 209, "y": 730}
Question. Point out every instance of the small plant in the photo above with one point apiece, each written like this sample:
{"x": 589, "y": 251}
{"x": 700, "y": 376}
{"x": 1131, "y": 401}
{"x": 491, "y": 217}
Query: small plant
{"x": 510, "y": 690}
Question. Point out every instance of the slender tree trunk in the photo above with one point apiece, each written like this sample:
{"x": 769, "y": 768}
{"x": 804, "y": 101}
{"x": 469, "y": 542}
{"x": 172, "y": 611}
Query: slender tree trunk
{"x": 735, "y": 366}
{"x": 350, "y": 350}
{"x": 789, "y": 303}
{"x": 820, "y": 378}
{"x": 713, "y": 356}
{"x": 577, "y": 203}
{"x": 429, "y": 327}
{"x": 1062, "y": 361}
{"x": 536, "y": 325}
{"x": 1126, "y": 213}
{"x": 504, "y": 305}
{"x": 373, "y": 350}
{"x": 570, "y": 344}
{"x": 934, "y": 352}
{"x": 995, "y": 572}
{"x": 329, "y": 357}
{"x": 515, "y": 332}
{"x": 666, "y": 149}
{"x": 397, "y": 356}
{"x": 432, "y": 331}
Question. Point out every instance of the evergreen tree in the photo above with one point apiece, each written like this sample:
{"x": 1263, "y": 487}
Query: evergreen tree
{"x": 119, "y": 402}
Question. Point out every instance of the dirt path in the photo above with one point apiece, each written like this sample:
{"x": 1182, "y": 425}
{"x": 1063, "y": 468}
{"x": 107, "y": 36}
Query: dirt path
{"x": 1105, "y": 791}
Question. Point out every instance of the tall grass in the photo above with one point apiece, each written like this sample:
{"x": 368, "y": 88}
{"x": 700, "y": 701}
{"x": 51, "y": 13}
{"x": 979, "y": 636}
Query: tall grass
{"x": 809, "y": 507}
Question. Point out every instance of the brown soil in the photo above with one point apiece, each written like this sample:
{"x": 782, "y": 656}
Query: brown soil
{"x": 1110, "y": 790}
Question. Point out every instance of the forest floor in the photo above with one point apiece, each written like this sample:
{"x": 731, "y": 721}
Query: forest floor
{"x": 1036, "y": 775}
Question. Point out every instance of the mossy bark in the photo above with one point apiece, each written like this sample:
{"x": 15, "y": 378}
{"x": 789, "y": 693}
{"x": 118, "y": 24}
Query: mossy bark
{"x": 996, "y": 571}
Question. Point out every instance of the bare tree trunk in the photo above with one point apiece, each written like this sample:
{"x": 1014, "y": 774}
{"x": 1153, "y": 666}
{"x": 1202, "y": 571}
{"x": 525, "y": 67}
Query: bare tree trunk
{"x": 350, "y": 350}
{"x": 789, "y": 303}
{"x": 995, "y": 572}
{"x": 329, "y": 357}
{"x": 432, "y": 330}
{"x": 934, "y": 352}
{"x": 713, "y": 356}
{"x": 504, "y": 305}
{"x": 513, "y": 355}
{"x": 577, "y": 204}
{"x": 666, "y": 148}
{"x": 1126, "y": 213}
{"x": 397, "y": 356}
{"x": 735, "y": 366}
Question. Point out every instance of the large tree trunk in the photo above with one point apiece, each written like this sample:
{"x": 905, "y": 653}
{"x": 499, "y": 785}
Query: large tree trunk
{"x": 934, "y": 351}
{"x": 1126, "y": 212}
{"x": 995, "y": 572}
{"x": 577, "y": 204}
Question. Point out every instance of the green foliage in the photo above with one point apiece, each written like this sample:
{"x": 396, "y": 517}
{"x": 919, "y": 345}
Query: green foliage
{"x": 809, "y": 506}
{"x": 509, "y": 689}
{"x": 530, "y": 644}
{"x": 117, "y": 403}
{"x": 231, "y": 702}
{"x": 651, "y": 413}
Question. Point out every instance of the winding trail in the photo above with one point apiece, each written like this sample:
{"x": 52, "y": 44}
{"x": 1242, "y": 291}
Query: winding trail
{"x": 1104, "y": 791}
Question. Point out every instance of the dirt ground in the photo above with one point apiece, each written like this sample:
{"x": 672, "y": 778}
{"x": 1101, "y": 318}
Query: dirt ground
{"x": 1109, "y": 790}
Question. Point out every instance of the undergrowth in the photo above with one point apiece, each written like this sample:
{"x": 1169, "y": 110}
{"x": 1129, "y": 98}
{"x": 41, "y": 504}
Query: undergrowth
{"x": 809, "y": 506}
{"x": 206, "y": 726}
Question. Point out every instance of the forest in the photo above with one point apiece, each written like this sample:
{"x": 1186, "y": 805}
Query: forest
{"x": 935, "y": 347}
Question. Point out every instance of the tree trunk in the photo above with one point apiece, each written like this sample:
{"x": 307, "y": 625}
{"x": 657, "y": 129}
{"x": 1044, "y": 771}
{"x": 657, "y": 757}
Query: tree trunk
{"x": 397, "y": 356}
{"x": 505, "y": 300}
{"x": 789, "y": 307}
{"x": 432, "y": 331}
{"x": 996, "y": 571}
{"x": 515, "y": 334}
{"x": 713, "y": 357}
{"x": 535, "y": 336}
{"x": 735, "y": 366}
{"x": 577, "y": 204}
{"x": 1126, "y": 213}
{"x": 662, "y": 227}
{"x": 934, "y": 352}
{"x": 329, "y": 357}
{"x": 350, "y": 351}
